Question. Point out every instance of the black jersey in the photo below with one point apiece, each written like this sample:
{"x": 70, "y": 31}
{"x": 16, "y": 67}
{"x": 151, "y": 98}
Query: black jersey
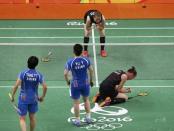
{"x": 91, "y": 14}
{"x": 113, "y": 79}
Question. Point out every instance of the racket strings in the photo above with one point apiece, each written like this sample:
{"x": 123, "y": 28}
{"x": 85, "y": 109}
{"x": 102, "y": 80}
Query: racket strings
{"x": 47, "y": 58}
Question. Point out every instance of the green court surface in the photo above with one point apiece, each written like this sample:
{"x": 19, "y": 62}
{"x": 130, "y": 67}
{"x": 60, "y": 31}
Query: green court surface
{"x": 146, "y": 44}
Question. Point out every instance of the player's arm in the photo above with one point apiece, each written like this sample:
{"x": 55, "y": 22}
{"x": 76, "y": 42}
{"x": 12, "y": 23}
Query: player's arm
{"x": 44, "y": 88}
{"x": 66, "y": 77}
{"x": 120, "y": 87}
{"x": 88, "y": 23}
{"x": 14, "y": 89}
{"x": 91, "y": 72}
{"x": 124, "y": 90}
{"x": 123, "y": 80}
{"x": 101, "y": 26}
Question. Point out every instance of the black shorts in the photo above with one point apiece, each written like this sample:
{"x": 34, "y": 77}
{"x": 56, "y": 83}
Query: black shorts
{"x": 106, "y": 91}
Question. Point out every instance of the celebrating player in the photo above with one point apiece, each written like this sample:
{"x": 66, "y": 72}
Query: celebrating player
{"x": 94, "y": 16}
{"x": 79, "y": 85}
{"x": 111, "y": 90}
{"x": 29, "y": 80}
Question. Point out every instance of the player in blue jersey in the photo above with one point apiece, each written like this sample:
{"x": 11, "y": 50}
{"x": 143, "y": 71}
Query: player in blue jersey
{"x": 79, "y": 84}
{"x": 29, "y": 81}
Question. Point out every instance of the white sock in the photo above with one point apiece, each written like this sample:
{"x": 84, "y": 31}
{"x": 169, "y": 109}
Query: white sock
{"x": 88, "y": 115}
{"x": 78, "y": 119}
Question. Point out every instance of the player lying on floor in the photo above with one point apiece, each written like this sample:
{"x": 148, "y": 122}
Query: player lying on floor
{"x": 111, "y": 90}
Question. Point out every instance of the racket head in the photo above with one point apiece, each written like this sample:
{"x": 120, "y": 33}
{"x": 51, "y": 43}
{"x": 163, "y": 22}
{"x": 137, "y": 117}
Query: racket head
{"x": 45, "y": 59}
{"x": 139, "y": 94}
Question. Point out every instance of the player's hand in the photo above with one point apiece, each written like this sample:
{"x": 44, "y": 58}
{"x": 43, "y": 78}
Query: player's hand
{"x": 128, "y": 90}
{"x": 12, "y": 99}
{"x": 41, "y": 99}
{"x": 68, "y": 82}
{"x": 91, "y": 83}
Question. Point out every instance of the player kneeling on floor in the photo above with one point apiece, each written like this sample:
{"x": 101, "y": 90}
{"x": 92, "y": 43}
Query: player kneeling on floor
{"x": 111, "y": 90}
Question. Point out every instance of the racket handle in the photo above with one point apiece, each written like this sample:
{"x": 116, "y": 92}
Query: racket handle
{"x": 11, "y": 98}
{"x": 9, "y": 94}
{"x": 132, "y": 97}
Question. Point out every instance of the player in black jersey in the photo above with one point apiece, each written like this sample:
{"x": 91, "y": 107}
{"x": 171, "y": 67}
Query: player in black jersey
{"x": 111, "y": 90}
{"x": 94, "y": 17}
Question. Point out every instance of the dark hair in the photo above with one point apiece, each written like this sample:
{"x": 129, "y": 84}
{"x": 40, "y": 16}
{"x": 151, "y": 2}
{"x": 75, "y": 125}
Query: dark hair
{"x": 98, "y": 14}
{"x": 78, "y": 48}
{"x": 32, "y": 62}
{"x": 132, "y": 70}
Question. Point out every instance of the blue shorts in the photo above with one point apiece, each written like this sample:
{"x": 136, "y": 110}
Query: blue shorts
{"x": 24, "y": 108}
{"x": 75, "y": 92}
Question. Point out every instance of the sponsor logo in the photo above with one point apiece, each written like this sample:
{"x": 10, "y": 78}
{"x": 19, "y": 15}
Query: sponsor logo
{"x": 78, "y": 23}
{"x": 106, "y": 118}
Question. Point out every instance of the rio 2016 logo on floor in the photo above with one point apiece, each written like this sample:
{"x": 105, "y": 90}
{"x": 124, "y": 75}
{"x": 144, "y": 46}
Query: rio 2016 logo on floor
{"x": 107, "y": 118}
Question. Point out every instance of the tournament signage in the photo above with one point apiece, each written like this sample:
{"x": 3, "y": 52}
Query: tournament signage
{"x": 78, "y": 23}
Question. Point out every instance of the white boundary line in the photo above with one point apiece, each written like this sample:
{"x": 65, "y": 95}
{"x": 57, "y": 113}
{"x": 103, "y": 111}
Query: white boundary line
{"x": 79, "y": 37}
{"x": 39, "y": 37}
{"x": 95, "y": 58}
{"x": 142, "y": 36}
{"x": 62, "y": 87}
{"x": 59, "y": 28}
{"x": 71, "y": 44}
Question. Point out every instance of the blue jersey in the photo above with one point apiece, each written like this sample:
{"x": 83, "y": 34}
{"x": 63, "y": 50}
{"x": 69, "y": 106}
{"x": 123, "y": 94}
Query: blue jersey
{"x": 29, "y": 87}
{"x": 78, "y": 66}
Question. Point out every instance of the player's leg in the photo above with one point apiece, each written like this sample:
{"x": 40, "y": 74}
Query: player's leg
{"x": 22, "y": 116}
{"x": 75, "y": 95}
{"x": 22, "y": 123}
{"x": 87, "y": 33}
{"x": 76, "y": 112}
{"x": 122, "y": 96}
{"x": 87, "y": 109}
{"x": 101, "y": 31}
{"x": 32, "y": 121}
{"x": 85, "y": 92}
{"x": 108, "y": 94}
{"x": 32, "y": 108}
{"x": 76, "y": 108}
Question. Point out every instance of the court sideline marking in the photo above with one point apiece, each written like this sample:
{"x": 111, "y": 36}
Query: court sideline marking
{"x": 80, "y": 37}
{"x": 95, "y": 58}
{"x": 66, "y": 87}
{"x": 60, "y": 28}
{"x": 71, "y": 44}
